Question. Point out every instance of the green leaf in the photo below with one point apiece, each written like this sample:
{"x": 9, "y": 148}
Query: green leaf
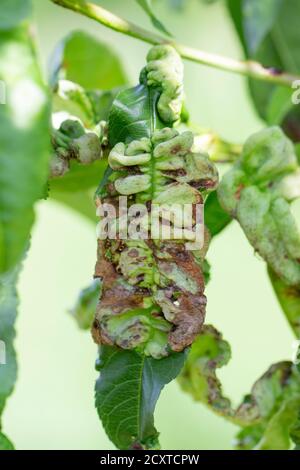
{"x": 289, "y": 299}
{"x": 83, "y": 59}
{"x": 146, "y": 6}
{"x": 277, "y": 48}
{"x": 79, "y": 201}
{"x": 8, "y": 363}
{"x": 71, "y": 98}
{"x": 259, "y": 18}
{"x": 198, "y": 377}
{"x": 101, "y": 102}
{"x": 257, "y": 191}
{"x": 8, "y": 313}
{"x": 80, "y": 177}
{"x": 277, "y": 433}
{"x": 24, "y": 143}
{"x": 295, "y": 432}
{"x": 5, "y": 443}
{"x": 12, "y": 12}
{"x": 127, "y": 392}
{"x": 85, "y": 307}
{"x": 76, "y": 188}
{"x": 216, "y": 219}
{"x": 134, "y": 115}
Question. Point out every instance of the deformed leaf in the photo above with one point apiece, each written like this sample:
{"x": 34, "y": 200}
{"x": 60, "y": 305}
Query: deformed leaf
{"x": 127, "y": 392}
{"x": 267, "y": 416}
{"x": 156, "y": 102}
{"x": 198, "y": 377}
{"x": 257, "y": 191}
{"x": 152, "y": 304}
{"x": 133, "y": 115}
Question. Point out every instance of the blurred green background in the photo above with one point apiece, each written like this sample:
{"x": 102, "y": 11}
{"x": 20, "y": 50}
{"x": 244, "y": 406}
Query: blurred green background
{"x": 52, "y": 406}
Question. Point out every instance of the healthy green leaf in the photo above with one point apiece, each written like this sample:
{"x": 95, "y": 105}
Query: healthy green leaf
{"x": 12, "y": 12}
{"x": 76, "y": 188}
{"x": 127, "y": 392}
{"x": 146, "y": 6}
{"x": 83, "y": 59}
{"x": 278, "y": 49}
{"x": 80, "y": 177}
{"x": 289, "y": 299}
{"x": 24, "y": 143}
{"x": 8, "y": 362}
{"x": 5, "y": 443}
{"x": 101, "y": 102}
{"x": 259, "y": 18}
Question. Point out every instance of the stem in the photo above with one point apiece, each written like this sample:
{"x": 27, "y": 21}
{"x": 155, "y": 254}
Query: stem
{"x": 247, "y": 68}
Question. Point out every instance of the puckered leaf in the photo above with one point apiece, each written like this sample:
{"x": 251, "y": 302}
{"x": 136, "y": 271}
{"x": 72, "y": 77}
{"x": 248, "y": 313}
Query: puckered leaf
{"x": 155, "y": 103}
{"x": 268, "y": 415}
{"x": 152, "y": 302}
{"x": 127, "y": 392}
{"x": 257, "y": 192}
{"x": 198, "y": 377}
{"x": 24, "y": 143}
{"x": 83, "y": 59}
